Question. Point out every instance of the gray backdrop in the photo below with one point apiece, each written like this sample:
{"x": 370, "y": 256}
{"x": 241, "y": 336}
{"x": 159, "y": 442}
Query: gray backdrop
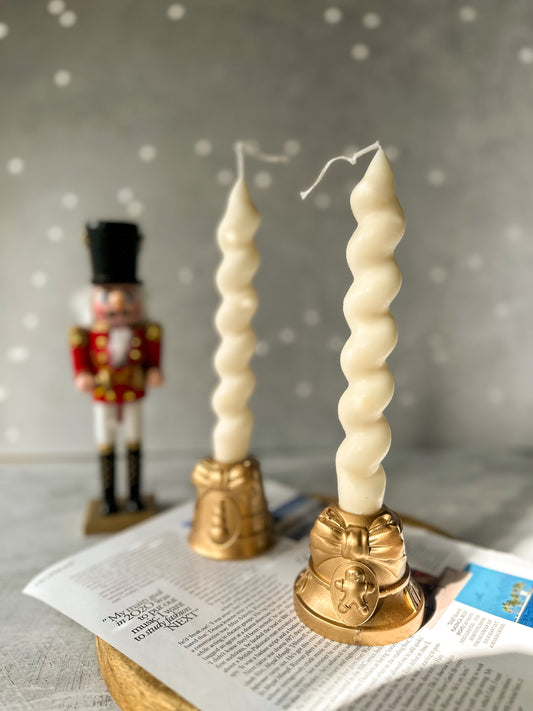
{"x": 124, "y": 108}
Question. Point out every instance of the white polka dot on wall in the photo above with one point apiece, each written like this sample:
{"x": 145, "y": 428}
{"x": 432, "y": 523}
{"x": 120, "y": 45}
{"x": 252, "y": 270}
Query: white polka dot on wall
{"x": 203, "y": 147}
{"x": 175, "y": 12}
{"x": 371, "y": 20}
{"x": 292, "y": 147}
{"x": 185, "y": 275}
{"x": 4, "y": 394}
{"x": 147, "y": 153}
{"x": 125, "y": 195}
{"x": 18, "y": 354}
{"x": 262, "y": 349}
{"x": 56, "y": 7}
{"x": 69, "y": 201}
{"x": 68, "y": 19}
{"x": 15, "y": 166}
{"x": 406, "y": 398}
{"x": 39, "y": 280}
{"x": 360, "y": 52}
{"x": 495, "y": 396}
{"x": 525, "y": 55}
{"x": 474, "y": 262}
{"x": 287, "y": 336}
{"x": 30, "y": 321}
{"x": 322, "y": 201}
{"x": 502, "y": 310}
{"x": 438, "y": 275}
{"x": 4, "y": 30}
{"x": 12, "y": 434}
{"x": 312, "y": 317}
{"x": 225, "y": 177}
{"x": 514, "y": 233}
{"x": 135, "y": 208}
{"x": 303, "y": 390}
{"x": 62, "y": 78}
{"x": 332, "y": 15}
{"x": 335, "y": 343}
{"x": 55, "y": 233}
{"x": 467, "y": 13}
{"x": 436, "y": 177}
{"x": 263, "y": 180}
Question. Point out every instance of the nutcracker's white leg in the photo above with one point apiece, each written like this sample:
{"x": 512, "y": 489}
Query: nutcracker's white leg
{"x": 132, "y": 418}
{"x": 105, "y": 427}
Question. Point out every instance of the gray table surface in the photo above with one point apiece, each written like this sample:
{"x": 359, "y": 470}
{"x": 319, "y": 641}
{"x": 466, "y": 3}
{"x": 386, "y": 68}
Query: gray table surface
{"x": 49, "y": 663}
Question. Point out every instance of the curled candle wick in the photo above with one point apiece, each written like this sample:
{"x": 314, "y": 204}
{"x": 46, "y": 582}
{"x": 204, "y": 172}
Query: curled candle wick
{"x": 350, "y": 159}
{"x": 252, "y": 149}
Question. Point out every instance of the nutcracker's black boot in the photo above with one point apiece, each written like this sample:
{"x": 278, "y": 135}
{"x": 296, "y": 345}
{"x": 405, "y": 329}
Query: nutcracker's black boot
{"x": 107, "y": 468}
{"x": 134, "y": 473}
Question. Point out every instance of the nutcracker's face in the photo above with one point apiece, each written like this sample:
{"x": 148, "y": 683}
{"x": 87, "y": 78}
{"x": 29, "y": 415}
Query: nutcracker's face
{"x": 117, "y": 304}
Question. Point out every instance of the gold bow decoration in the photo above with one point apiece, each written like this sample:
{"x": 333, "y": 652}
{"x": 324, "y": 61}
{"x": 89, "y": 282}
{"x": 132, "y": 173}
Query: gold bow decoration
{"x": 211, "y": 474}
{"x": 379, "y": 545}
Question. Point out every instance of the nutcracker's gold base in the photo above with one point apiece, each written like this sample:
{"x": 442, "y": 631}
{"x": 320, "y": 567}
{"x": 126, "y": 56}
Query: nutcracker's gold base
{"x": 358, "y": 588}
{"x": 231, "y": 518}
{"x": 96, "y": 523}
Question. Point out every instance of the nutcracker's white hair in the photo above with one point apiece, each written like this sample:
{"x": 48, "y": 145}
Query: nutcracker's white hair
{"x": 80, "y": 304}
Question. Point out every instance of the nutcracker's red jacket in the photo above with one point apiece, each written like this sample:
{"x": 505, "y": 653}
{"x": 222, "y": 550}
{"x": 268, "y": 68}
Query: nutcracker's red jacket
{"x": 89, "y": 348}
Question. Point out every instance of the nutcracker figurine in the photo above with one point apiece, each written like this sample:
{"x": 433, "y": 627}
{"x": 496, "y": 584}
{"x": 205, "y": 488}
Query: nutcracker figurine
{"x": 115, "y": 360}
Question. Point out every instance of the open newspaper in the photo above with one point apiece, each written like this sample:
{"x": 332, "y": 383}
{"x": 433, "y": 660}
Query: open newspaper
{"x": 224, "y": 634}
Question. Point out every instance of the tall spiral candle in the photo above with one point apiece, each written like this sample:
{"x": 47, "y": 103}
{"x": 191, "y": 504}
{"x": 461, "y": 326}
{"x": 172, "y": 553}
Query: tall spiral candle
{"x": 377, "y": 280}
{"x": 235, "y": 236}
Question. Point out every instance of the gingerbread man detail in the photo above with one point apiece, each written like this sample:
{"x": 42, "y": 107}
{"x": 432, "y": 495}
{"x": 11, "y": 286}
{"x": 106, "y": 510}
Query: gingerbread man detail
{"x": 355, "y": 588}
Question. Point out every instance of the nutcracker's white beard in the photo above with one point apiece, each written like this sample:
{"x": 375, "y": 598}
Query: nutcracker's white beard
{"x": 119, "y": 345}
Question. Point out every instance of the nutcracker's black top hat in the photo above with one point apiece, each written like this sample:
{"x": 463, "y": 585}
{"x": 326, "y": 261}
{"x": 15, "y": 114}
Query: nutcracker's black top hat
{"x": 113, "y": 247}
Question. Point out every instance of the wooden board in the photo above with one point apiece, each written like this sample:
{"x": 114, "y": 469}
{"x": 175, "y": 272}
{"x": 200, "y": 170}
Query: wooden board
{"x": 133, "y": 688}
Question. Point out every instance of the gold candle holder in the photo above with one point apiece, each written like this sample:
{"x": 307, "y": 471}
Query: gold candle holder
{"x": 231, "y": 519}
{"x": 357, "y": 587}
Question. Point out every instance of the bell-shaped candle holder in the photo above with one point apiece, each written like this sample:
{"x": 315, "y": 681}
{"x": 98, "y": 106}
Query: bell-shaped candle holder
{"x": 357, "y": 587}
{"x": 231, "y": 518}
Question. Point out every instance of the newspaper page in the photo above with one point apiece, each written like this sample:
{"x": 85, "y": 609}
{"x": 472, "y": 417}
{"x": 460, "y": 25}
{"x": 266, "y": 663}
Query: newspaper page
{"x": 224, "y": 635}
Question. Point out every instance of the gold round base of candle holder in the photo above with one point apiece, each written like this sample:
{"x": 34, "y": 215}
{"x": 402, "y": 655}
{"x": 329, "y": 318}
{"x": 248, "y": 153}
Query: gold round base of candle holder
{"x": 231, "y": 519}
{"x": 357, "y": 588}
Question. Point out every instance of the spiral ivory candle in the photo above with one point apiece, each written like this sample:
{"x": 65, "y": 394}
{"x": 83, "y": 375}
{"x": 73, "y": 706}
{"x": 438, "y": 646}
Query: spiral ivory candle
{"x": 377, "y": 280}
{"x": 235, "y": 236}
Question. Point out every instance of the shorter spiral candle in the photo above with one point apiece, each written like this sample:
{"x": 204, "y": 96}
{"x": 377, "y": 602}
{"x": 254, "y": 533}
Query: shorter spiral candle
{"x": 235, "y": 236}
{"x": 240, "y": 261}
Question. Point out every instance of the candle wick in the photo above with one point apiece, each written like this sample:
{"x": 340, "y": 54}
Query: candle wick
{"x": 239, "y": 150}
{"x": 251, "y": 148}
{"x": 351, "y": 159}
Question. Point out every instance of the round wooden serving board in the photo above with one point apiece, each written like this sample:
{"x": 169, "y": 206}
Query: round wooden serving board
{"x": 133, "y": 688}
